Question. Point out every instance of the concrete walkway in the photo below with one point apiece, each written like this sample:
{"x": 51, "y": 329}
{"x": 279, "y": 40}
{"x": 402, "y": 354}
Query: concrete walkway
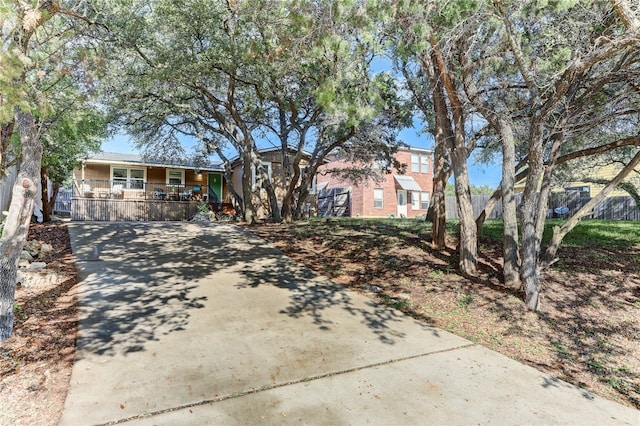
{"x": 206, "y": 324}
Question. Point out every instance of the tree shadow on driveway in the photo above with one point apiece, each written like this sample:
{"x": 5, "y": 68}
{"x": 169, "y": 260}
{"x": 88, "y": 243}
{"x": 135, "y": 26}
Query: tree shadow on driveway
{"x": 145, "y": 283}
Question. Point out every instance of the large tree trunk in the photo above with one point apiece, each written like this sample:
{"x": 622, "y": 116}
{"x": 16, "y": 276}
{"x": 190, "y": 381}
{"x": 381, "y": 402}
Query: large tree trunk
{"x": 468, "y": 247}
{"x": 47, "y": 206}
{"x": 509, "y": 214}
{"x": 444, "y": 140}
{"x": 530, "y": 249}
{"x": 249, "y": 214}
{"x": 439, "y": 215}
{"x": 16, "y": 227}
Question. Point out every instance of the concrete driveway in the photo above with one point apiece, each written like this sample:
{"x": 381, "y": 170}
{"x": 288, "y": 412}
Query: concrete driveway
{"x": 186, "y": 323}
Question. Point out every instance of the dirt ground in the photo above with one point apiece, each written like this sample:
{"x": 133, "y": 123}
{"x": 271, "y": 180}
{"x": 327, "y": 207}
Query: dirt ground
{"x": 35, "y": 363}
{"x": 585, "y": 333}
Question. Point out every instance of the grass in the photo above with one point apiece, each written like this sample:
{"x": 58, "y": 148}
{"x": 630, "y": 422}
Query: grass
{"x": 588, "y": 233}
{"x": 611, "y": 234}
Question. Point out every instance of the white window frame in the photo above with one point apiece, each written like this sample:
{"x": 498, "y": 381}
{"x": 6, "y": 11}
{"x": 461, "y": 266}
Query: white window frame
{"x": 182, "y": 180}
{"x": 415, "y": 162}
{"x": 378, "y": 202}
{"x": 424, "y": 200}
{"x": 254, "y": 172}
{"x": 424, "y": 163}
{"x": 415, "y": 200}
{"x": 127, "y": 182}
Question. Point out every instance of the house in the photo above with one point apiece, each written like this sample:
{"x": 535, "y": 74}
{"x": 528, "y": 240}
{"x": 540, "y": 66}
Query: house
{"x": 273, "y": 162}
{"x": 395, "y": 195}
{"x": 114, "y": 186}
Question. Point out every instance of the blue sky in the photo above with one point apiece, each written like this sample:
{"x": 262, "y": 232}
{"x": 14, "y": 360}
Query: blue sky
{"x": 479, "y": 174}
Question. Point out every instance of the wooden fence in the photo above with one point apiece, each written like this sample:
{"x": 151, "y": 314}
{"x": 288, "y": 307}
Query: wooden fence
{"x": 335, "y": 202}
{"x": 112, "y": 210}
{"x": 561, "y": 205}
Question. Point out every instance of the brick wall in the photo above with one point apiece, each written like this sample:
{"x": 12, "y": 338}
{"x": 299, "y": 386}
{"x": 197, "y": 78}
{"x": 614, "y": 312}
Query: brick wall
{"x": 362, "y": 203}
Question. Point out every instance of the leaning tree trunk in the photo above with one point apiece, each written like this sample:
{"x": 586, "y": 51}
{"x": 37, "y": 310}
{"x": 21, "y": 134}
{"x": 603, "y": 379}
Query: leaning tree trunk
{"x": 560, "y": 232}
{"x": 16, "y": 227}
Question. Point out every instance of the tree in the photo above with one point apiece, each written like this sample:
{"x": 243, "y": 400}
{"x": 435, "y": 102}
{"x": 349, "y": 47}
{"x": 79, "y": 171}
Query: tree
{"x": 71, "y": 138}
{"x": 428, "y": 64}
{"x": 33, "y": 43}
{"x": 235, "y": 75}
{"x": 550, "y": 95}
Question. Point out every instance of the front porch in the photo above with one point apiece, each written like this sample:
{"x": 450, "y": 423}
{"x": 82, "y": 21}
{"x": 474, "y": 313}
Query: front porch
{"x": 115, "y": 201}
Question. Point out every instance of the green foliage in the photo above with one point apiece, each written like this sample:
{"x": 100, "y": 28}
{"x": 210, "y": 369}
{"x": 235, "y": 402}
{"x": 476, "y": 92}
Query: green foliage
{"x": 72, "y": 137}
{"x": 475, "y": 190}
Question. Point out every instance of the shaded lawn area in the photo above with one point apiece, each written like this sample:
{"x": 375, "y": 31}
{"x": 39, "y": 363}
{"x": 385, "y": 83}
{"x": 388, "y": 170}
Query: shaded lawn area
{"x": 587, "y": 327}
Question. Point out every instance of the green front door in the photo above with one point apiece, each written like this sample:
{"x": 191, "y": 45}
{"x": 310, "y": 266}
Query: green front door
{"x": 215, "y": 187}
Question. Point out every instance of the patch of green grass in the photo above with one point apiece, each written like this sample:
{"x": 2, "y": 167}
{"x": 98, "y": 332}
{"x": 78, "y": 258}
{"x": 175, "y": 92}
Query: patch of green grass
{"x": 464, "y": 300}
{"x": 19, "y": 312}
{"x": 562, "y": 351}
{"x": 400, "y": 304}
{"x": 612, "y": 234}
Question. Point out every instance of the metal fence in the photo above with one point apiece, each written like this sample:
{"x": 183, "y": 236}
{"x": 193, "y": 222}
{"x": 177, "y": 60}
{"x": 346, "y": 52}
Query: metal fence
{"x": 561, "y": 205}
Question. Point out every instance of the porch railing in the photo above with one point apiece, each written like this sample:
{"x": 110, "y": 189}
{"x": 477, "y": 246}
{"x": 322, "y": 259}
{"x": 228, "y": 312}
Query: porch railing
{"x": 138, "y": 190}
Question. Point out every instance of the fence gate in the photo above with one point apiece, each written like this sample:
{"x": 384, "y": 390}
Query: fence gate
{"x": 334, "y": 202}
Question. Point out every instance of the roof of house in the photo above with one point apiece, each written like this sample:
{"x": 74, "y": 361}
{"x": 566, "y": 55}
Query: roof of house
{"x": 306, "y": 154}
{"x": 138, "y": 160}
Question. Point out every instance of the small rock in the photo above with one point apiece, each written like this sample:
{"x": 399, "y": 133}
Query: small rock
{"x": 37, "y": 266}
{"x": 23, "y": 263}
{"x": 33, "y": 247}
{"x": 45, "y": 249}
{"x": 34, "y": 279}
{"x": 25, "y": 255}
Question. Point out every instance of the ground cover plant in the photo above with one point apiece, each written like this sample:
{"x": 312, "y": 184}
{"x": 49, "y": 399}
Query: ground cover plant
{"x": 585, "y": 331}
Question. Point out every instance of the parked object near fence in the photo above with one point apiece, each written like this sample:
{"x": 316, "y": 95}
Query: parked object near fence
{"x": 334, "y": 202}
{"x": 62, "y": 206}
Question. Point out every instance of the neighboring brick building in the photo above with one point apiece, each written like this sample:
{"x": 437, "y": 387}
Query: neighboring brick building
{"x": 397, "y": 195}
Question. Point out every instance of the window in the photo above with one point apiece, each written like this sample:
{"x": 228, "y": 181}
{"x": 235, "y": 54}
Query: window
{"x": 424, "y": 201}
{"x": 175, "y": 176}
{"x": 415, "y": 163}
{"x": 424, "y": 164}
{"x": 415, "y": 200}
{"x": 419, "y": 163}
{"x": 127, "y": 178}
{"x": 378, "y": 200}
{"x": 254, "y": 174}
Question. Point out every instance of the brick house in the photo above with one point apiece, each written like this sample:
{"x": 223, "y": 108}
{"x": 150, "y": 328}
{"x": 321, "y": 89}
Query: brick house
{"x": 396, "y": 195}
